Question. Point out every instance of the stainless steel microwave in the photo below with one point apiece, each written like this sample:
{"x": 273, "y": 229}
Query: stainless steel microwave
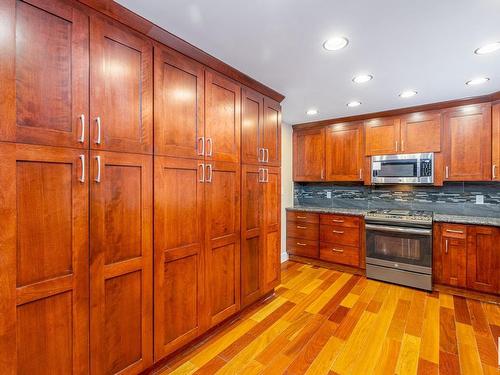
{"x": 403, "y": 169}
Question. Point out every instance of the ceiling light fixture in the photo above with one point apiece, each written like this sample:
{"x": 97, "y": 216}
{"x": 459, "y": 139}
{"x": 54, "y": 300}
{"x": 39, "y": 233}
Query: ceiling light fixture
{"x": 487, "y": 48}
{"x": 477, "y": 81}
{"x": 408, "y": 94}
{"x": 353, "y": 104}
{"x": 312, "y": 112}
{"x": 335, "y": 43}
{"x": 362, "y": 78}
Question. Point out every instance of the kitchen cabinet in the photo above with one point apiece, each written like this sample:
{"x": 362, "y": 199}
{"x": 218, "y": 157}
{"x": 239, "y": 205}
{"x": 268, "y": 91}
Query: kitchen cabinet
{"x": 252, "y": 126}
{"x": 121, "y": 267}
{"x": 421, "y": 132}
{"x": 495, "y": 146}
{"x": 178, "y": 105}
{"x": 452, "y": 255}
{"x": 467, "y": 143}
{"x": 483, "y": 259}
{"x": 121, "y": 88}
{"x": 272, "y": 132}
{"x": 309, "y": 154}
{"x": 45, "y": 73}
{"x": 344, "y": 156}
{"x": 382, "y": 136}
{"x": 44, "y": 263}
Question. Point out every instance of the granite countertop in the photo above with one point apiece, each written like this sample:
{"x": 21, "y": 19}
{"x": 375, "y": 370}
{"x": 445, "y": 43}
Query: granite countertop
{"x": 438, "y": 217}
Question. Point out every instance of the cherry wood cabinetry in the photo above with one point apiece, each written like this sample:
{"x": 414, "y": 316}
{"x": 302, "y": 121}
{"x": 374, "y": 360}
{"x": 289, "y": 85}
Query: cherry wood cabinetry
{"x": 252, "y": 126}
{"x": 467, "y": 143}
{"x": 495, "y": 146}
{"x": 309, "y": 155}
{"x": 421, "y": 132}
{"x": 483, "y": 259}
{"x": 344, "y": 152}
{"x": 271, "y": 132}
{"x": 121, "y": 88}
{"x": 44, "y": 263}
{"x": 449, "y": 253}
{"x": 121, "y": 299}
{"x": 382, "y": 136}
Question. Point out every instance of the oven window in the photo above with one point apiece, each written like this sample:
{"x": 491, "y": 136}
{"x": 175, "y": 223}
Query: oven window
{"x": 403, "y": 168}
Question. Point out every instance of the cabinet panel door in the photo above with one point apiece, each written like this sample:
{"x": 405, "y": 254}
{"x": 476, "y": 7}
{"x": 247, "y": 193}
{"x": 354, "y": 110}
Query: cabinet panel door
{"x": 179, "y": 272}
{"x": 251, "y": 232}
{"x": 382, "y": 136}
{"x": 453, "y": 261}
{"x": 483, "y": 259}
{"x": 44, "y": 262}
{"x": 421, "y": 132}
{"x": 495, "y": 150}
{"x": 223, "y": 121}
{"x": 222, "y": 210}
{"x": 121, "y": 83}
{"x": 252, "y": 127}
{"x": 309, "y": 155}
{"x": 272, "y": 132}
{"x": 121, "y": 262}
{"x": 44, "y": 73}
{"x": 467, "y": 143}
{"x": 179, "y": 105}
{"x": 344, "y": 152}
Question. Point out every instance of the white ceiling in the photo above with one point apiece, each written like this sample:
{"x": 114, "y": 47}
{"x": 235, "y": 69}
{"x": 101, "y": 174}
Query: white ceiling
{"x": 426, "y": 45}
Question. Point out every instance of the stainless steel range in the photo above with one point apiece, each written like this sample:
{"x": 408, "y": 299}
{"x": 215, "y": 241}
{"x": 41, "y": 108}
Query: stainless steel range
{"x": 399, "y": 247}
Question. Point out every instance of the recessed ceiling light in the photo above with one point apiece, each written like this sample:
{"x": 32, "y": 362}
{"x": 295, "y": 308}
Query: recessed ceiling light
{"x": 354, "y": 103}
{"x": 312, "y": 112}
{"x": 408, "y": 93}
{"x": 477, "y": 81}
{"x": 487, "y": 48}
{"x": 362, "y": 78}
{"x": 335, "y": 43}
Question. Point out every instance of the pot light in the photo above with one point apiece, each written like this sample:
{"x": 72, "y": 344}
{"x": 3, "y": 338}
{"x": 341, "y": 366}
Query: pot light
{"x": 487, "y": 48}
{"x": 477, "y": 81}
{"x": 335, "y": 43}
{"x": 312, "y": 112}
{"x": 362, "y": 78}
{"x": 408, "y": 93}
{"x": 353, "y": 104}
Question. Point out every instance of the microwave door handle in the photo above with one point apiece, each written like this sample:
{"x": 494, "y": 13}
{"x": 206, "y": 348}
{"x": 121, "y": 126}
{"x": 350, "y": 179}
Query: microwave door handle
{"x": 386, "y": 228}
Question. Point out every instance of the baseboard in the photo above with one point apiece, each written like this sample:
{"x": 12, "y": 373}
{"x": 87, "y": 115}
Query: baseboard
{"x": 284, "y": 257}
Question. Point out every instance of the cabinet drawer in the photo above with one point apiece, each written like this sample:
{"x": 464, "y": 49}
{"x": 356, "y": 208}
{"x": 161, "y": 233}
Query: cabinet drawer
{"x": 305, "y": 248}
{"x": 342, "y": 254}
{"x": 302, "y": 230}
{"x": 339, "y": 235}
{"x": 339, "y": 220}
{"x": 454, "y": 231}
{"x": 308, "y": 217}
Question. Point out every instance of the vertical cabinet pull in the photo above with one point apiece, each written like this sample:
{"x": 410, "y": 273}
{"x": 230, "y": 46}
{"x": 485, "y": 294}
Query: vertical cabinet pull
{"x": 396, "y": 146}
{"x": 260, "y": 157}
{"x": 202, "y": 170}
{"x": 82, "y": 134}
{"x": 360, "y": 174}
{"x": 98, "y": 122}
{"x": 98, "y": 175}
{"x": 261, "y": 177}
{"x": 402, "y": 145}
{"x": 209, "y": 146}
{"x": 209, "y": 173}
{"x": 82, "y": 175}
{"x": 446, "y": 246}
{"x": 201, "y": 141}
{"x": 493, "y": 171}
{"x": 447, "y": 172}
{"x": 267, "y": 155}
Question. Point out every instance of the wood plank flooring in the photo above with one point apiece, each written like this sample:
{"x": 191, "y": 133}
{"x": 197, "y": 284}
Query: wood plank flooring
{"x": 323, "y": 321}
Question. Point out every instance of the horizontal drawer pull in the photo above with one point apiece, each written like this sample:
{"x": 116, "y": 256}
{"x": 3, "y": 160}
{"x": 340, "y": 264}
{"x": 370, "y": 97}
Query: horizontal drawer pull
{"x": 301, "y": 227}
{"x": 301, "y": 217}
{"x": 301, "y": 244}
{"x": 338, "y": 250}
{"x": 455, "y": 231}
{"x": 337, "y": 221}
{"x": 338, "y": 231}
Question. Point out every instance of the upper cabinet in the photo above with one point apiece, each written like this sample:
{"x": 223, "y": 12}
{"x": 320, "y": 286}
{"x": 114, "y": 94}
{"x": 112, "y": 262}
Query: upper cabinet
{"x": 309, "y": 155}
{"x": 44, "y": 73}
{"x": 421, "y": 132}
{"x": 271, "y": 142}
{"x": 344, "y": 152}
{"x": 121, "y": 82}
{"x": 178, "y": 105}
{"x": 382, "y": 136}
{"x": 495, "y": 147}
{"x": 467, "y": 143}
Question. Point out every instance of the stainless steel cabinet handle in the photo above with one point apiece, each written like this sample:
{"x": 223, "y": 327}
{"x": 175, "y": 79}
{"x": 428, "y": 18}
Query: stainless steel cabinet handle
{"x": 209, "y": 172}
{"x": 337, "y": 221}
{"x": 267, "y": 155}
{"x": 446, "y": 172}
{"x": 261, "y": 178}
{"x": 396, "y": 146}
{"x": 82, "y": 134}
{"x": 446, "y": 246}
{"x": 322, "y": 174}
{"x": 301, "y": 217}
{"x": 338, "y": 231}
{"x": 360, "y": 174}
{"x": 209, "y": 146}
{"x": 98, "y": 121}
{"x": 493, "y": 172}
{"x": 259, "y": 152}
{"x": 301, "y": 227}
{"x": 267, "y": 175}
{"x": 338, "y": 250}
{"x": 98, "y": 176}
{"x": 202, "y": 169}
{"x": 82, "y": 175}
{"x": 301, "y": 244}
{"x": 455, "y": 231}
{"x": 201, "y": 141}
{"x": 402, "y": 145}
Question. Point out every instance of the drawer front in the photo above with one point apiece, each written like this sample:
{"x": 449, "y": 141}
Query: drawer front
{"x": 303, "y": 248}
{"x": 339, "y": 220}
{"x": 339, "y": 235}
{"x": 454, "y": 231}
{"x": 342, "y": 254}
{"x": 305, "y": 231}
{"x": 308, "y": 217}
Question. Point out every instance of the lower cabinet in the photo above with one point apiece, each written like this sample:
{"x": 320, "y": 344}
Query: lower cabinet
{"x": 450, "y": 254}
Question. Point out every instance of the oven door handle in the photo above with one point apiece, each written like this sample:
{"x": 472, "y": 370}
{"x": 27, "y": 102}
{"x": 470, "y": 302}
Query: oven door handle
{"x": 386, "y": 228}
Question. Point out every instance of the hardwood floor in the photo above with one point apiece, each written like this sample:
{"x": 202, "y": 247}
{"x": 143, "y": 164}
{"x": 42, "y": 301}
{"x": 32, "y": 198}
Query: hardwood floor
{"x": 323, "y": 321}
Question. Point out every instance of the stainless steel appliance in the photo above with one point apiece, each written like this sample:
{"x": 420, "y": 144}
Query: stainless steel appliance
{"x": 399, "y": 247}
{"x": 403, "y": 169}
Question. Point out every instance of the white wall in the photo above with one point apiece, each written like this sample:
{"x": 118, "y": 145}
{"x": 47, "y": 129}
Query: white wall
{"x": 286, "y": 182}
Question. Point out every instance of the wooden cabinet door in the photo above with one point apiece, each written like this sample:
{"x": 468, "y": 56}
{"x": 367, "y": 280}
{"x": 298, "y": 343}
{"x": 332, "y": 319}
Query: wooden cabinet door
{"x": 121, "y": 84}
{"x": 467, "y": 143}
{"x": 271, "y": 257}
{"x": 179, "y": 273}
{"x": 252, "y": 127}
{"x": 252, "y": 208}
{"x": 495, "y": 146}
{"x": 222, "y": 121}
{"x": 44, "y": 73}
{"x": 421, "y": 132}
{"x": 344, "y": 152}
{"x": 272, "y": 132}
{"x": 382, "y": 136}
{"x": 121, "y": 265}
{"x": 178, "y": 105}
{"x": 222, "y": 231}
{"x": 483, "y": 259}
{"x": 309, "y": 155}
{"x": 453, "y": 261}
{"x": 44, "y": 260}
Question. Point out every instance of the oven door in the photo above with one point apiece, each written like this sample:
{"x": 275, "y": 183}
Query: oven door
{"x": 405, "y": 248}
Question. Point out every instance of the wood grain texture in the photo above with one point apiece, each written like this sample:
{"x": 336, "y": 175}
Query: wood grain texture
{"x": 495, "y": 137}
{"x": 421, "y": 132}
{"x": 309, "y": 155}
{"x": 382, "y": 136}
{"x": 344, "y": 152}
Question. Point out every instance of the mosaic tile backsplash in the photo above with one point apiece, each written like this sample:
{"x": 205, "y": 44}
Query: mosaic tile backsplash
{"x": 452, "y": 198}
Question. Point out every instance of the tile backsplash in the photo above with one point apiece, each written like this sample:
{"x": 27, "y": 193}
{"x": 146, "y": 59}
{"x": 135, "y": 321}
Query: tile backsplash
{"x": 452, "y": 198}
